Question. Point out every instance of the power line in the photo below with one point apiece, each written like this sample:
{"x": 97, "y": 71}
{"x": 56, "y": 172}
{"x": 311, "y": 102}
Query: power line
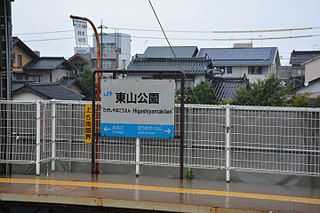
{"x": 184, "y": 31}
{"x": 220, "y": 31}
{"x": 196, "y": 39}
{"x": 165, "y": 35}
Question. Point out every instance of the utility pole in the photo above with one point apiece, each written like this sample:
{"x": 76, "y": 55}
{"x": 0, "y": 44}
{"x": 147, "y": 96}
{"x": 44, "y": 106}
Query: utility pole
{"x": 5, "y": 81}
{"x": 101, "y": 43}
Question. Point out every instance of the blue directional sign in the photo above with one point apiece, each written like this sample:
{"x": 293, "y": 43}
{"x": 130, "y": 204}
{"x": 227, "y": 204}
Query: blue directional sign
{"x": 137, "y": 108}
{"x": 137, "y": 130}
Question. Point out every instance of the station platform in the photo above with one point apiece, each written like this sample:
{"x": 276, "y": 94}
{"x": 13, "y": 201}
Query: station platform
{"x": 155, "y": 194}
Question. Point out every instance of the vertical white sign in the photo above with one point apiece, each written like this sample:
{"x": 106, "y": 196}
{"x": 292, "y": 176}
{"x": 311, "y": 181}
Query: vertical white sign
{"x": 80, "y": 30}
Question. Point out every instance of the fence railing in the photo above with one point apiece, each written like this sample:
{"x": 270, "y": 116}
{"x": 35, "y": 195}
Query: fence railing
{"x": 256, "y": 139}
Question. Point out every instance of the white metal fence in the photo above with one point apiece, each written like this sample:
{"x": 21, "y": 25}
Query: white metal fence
{"x": 256, "y": 139}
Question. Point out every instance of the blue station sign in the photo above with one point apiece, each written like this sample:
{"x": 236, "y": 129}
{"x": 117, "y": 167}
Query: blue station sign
{"x": 137, "y": 108}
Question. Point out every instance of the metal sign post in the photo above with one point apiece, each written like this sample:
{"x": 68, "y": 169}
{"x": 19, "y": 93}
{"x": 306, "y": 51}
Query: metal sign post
{"x": 138, "y": 109}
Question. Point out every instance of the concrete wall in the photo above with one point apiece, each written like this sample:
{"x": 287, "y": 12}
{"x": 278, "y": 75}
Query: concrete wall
{"x": 239, "y": 71}
{"x": 58, "y": 74}
{"x": 312, "y": 70}
{"x": 45, "y": 75}
{"x": 27, "y": 96}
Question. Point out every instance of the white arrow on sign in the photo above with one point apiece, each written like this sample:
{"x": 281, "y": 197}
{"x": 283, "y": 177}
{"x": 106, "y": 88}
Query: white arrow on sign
{"x": 106, "y": 129}
{"x": 167, "y": 131}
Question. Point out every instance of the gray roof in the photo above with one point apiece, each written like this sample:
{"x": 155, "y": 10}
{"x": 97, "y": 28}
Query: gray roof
{"x": 50, "y": 91}
{"x": 165, "y": 52}
{"x": 191, "y": 66}
{"x": 228, "y": 87}
{"x": 263, "y": 56}
{"x": 67, "y": 81}
{"x": 48, "y": 63}
{"x": 299, "y": 57}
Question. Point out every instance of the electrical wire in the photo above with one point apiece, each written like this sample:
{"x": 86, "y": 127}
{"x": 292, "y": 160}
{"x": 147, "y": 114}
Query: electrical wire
{"x": 184, "y": 31}
{"x": 196, "y": 39}
{"x": 165, "y": 35}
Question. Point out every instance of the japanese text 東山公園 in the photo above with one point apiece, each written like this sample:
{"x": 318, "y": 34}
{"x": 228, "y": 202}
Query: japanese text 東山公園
{"x": 137, "y": 98}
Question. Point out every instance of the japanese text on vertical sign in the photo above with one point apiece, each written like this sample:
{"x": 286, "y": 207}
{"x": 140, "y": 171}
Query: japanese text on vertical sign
{"x": 80, "y": 29}
{"x": 88, "y": 123}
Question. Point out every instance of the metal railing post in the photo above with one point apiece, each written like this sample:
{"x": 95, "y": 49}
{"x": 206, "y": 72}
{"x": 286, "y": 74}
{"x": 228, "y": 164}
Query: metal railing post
{"x": 227, "y": 148}
{"x": 38, "y": 127}
{"x": 137, "y": 157}
{"x": 53, "y": 136}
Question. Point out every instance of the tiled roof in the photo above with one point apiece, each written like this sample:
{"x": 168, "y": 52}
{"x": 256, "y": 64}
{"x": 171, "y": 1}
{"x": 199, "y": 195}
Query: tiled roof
{"x": 264, "y": 56}
{"x": 165, "y": 52}
{"x": 50, "y": 91}
{"x": 228, "y": 87}
{"x": 192, "y": 66}
{"x": 48, "y": 63}
{"x": 67, "y": 81}
{"x": 299, "y": 57}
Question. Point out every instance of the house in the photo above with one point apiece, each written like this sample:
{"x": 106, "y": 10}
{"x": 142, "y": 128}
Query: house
{"x": 312, "y": 69}
{"x": 75, "y": 85}
{"x": 227, "y": 87}
{"x": 78, "y": 61}
{"x": 43, "y": 91}
{"x": 297, "y": 59}
{"x": 312, "y": 88}
{"x": 166, "y": 52}
{"x": 194, "y": 68}
{"x": 22, "y": 55}
{"x": 48, "y": 69}
{"x": 162, "y": 58}
{"x": 255, "y": 63}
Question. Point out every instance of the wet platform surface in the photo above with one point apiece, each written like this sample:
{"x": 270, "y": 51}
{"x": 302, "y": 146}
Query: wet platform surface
{"x": 152, "y": 193}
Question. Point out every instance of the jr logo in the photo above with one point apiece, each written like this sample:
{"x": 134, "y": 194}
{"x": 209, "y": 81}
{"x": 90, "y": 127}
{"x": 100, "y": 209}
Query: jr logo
{"x": 108, "y": 93}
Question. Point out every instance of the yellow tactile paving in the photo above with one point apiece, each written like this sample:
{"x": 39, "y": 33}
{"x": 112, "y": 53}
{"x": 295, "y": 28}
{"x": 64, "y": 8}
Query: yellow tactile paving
{"x": 164, "y": 189}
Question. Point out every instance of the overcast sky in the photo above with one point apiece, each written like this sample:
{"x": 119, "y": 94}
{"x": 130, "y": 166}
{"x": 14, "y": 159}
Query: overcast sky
{"x": 32, "y": 16}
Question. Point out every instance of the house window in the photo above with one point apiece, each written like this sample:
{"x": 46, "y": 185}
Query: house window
{"x": 189, "y": 83}
{"x": 229, "y": 70}
{"x": 255, "y": 70}
{"x": 123, "y": 63}
{"x": 19, "y": 60}
{"x": 34, "y": 78}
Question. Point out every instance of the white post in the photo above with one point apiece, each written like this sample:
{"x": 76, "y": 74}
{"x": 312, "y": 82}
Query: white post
{"x": 228, "y": 144}
{"x": 53, "y": 136}
{"x": 38, "y": 127}
{"x": 137, "y": 157}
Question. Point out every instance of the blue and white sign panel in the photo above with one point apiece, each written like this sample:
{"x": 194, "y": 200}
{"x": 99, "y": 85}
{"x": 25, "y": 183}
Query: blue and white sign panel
{"x": 137, "y": 108}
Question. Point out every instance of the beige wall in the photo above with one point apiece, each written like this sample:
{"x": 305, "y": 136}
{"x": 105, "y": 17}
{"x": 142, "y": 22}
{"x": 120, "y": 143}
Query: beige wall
{"x": 75, "y": 88}
{"x": 237, "y": 72}
{"x": 25, "y": 59}
{"x": 45, "y": 75}
{"x": 27, "y": 96}
{"x": 58, "y": 74}
{"x": 312, "y": 70}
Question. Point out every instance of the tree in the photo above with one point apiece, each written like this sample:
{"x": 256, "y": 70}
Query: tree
{"x": 269, "y": 92}
{"x": 203, "y": 93}
{"x": 85, "y": 77}
{"x": 316, "y": 102}
{"x": 300, "y": 100}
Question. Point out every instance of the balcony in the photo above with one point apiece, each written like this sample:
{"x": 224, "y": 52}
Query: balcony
{"x": 105, "y": 55}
